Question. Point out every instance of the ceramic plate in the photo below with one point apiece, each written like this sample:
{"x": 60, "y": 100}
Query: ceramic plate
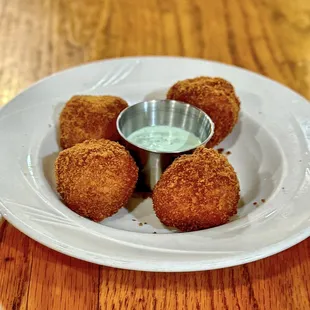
{"x": 269, "y": 149}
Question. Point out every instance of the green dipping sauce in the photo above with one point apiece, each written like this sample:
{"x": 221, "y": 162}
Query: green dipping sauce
{"x": 164, "y": 139}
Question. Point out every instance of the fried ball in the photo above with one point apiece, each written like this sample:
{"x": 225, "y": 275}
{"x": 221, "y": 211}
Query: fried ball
{"x": 216, "y": 97}
{"x": 90, "y": 117}
{"x": 95, "y": 178}
{"x": 197, "y": 191}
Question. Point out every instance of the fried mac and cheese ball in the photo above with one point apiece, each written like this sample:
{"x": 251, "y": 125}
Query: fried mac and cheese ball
{"x": 87, "y": 117}
{"x": 96, "y": 178}
{"x": 197, "y": 191}
{"x": 216, "y": 97}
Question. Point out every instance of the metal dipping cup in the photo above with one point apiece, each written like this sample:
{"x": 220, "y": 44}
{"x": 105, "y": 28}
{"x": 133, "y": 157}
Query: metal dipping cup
{"x": 154, "y": 113}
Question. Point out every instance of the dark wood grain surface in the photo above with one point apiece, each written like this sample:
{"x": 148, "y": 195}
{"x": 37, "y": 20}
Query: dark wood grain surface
{"x": 39, "y": 37}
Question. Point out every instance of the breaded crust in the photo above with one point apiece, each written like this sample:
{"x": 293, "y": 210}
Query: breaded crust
{"x": 216, "y": 97}
{"x": 95, "y": 178}
{"x": 197, "y": 191}
{"x": 90, "y": 117}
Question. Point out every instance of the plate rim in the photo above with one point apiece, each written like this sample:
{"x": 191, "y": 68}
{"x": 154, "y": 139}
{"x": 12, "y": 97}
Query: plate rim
{"x": 71, "y": 68}
{"x": 262, "y": 253}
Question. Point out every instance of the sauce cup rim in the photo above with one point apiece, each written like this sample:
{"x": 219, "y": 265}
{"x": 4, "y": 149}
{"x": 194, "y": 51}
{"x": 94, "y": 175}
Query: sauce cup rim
{"x": 170, "y": 102}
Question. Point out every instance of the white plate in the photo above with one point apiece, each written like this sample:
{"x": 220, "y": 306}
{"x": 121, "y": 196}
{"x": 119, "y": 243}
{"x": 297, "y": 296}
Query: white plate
{"x": 270, "y": 152}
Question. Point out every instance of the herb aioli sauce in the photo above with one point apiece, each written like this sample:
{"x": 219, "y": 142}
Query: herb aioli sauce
{"x": 164, "y": 139}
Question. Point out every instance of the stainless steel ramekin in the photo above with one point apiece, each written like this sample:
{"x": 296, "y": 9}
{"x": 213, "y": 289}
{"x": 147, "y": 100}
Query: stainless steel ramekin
{"x": 160, "y": 112}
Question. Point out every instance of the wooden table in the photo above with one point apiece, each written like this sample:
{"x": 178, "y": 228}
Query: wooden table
{"x": 39, "y": 37}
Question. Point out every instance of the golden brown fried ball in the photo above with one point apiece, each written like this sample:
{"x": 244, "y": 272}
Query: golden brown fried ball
{"x": 90, "y": 117}
{"x": 197, "y": 191}
{"x": 216, "y": 97}
{"x": 95, "y": 178}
